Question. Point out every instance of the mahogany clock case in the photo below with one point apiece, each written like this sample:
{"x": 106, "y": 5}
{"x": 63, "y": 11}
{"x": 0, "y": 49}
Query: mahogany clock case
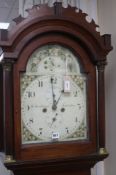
{"x": 69, "y": 29}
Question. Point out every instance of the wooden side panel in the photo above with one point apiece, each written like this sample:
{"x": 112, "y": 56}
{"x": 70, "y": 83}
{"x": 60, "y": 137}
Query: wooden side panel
{"x": 8, "y": 108}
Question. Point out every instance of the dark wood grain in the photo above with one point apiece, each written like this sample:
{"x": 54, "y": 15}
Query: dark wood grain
{"x": 80, "y": 166}
{"x": 8, "y": 108}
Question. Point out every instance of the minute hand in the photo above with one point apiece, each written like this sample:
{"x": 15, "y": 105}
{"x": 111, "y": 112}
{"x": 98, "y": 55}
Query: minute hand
{"x": 59, "y": 97}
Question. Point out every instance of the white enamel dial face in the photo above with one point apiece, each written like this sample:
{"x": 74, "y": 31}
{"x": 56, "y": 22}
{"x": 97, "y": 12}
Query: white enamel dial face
{"x": 53, "y": 105}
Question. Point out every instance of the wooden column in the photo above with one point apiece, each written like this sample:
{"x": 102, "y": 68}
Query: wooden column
{"x": 101, "y": 104}
{"x": 7, "y": 111}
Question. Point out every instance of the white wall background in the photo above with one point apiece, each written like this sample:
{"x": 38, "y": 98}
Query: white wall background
{"x": 88, "y": 6}
{"x": 8, "y": 10}
{"x": 107, "y": 22}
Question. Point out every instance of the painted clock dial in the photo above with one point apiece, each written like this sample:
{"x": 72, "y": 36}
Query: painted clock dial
{"x": 53, "y": 97}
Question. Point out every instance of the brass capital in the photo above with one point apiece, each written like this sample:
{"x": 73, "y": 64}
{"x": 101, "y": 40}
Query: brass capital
{"x": 103, "y": 151}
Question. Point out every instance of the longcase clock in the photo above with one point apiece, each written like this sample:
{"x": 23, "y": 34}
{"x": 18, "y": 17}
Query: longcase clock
{"x": 52, "y": 107}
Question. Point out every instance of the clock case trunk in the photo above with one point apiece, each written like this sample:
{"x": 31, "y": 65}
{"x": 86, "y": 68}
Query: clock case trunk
{"x": 56, "y": 25}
